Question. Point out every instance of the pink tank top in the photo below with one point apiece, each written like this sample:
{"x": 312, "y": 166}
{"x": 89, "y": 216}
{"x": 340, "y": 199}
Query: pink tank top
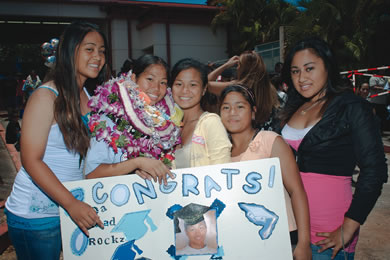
{"x": 261, "y": 148}
{"x": 329, "y": 196}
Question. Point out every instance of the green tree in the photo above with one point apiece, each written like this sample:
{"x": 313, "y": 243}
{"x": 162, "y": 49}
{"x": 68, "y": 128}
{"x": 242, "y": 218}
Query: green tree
{"x": 347, "y": 25}
{"x": 357, "y": 30}
{"x": 252, "y": 22}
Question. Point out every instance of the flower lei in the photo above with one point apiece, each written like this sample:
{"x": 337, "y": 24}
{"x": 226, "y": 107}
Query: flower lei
{"x": 139, "y": 129}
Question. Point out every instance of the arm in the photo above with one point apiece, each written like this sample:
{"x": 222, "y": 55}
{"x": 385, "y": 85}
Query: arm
{"x": 212, "y": 76}
{"x": 37, "y": 120}
{"x": 101, "y": 162}
{"x": 217, "y": 141}
{"x": 369, "y": 152}
{"x": 293, "y": 184}
{"x": 217, "y": 87}
{"x": 368, "y": 149}
{"x": 155, "y": 168}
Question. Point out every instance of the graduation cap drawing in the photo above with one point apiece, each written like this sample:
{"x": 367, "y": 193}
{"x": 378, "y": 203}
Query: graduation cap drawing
{"x": 133, "y": 226}
{"x": 190, "y": 214}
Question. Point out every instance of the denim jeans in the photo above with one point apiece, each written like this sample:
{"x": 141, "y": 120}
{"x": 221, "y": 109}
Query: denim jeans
{"x": 36, "y": 244}
{"x": 326, "y": 255}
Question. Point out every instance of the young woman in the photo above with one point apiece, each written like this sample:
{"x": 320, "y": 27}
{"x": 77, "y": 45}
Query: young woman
{"x": 331, "y": 130}
{"x": 54, "y": 142}
{"x": 204, "y": 139}
{"x": 252, "y": 73}
{"x": 151, "y": 75}
{"x": 238, "y": 111}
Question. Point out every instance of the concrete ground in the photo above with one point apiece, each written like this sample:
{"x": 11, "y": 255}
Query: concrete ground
{"x": 374, "y": 241}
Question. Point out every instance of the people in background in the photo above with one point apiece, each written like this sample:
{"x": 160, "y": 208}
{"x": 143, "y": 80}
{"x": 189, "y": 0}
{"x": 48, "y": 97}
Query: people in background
{"x": 31, "y": 83}
{"x": 126, "y": 66}
{"x": 379, "y": 102}
{"x": 252, "y": 73}
{"x": 363, "y": 90}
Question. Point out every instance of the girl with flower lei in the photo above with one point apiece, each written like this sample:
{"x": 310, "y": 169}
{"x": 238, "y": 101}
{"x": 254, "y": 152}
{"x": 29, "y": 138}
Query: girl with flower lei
{"x": 134, "y": 124}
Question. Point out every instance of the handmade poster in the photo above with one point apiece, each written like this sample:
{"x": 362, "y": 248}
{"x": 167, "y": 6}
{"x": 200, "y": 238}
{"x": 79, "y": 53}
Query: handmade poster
{"x": 226, "y": 211}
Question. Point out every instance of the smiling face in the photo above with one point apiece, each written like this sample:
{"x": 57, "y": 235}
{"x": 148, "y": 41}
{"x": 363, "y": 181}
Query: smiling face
{"x": 197, "y": 235}
{"x": 90, "y": 57}
{"x": 308, "y": 74}
{"x": 236, "y": 113}
{"x": 188, "y": 89}
{"x": 153, "y": 81}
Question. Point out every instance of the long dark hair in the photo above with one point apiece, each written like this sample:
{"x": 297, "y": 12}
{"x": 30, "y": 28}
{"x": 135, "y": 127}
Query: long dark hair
{"x": 333, "y": 86}
{"x": 188, "y": 63}
{"x": 67, "y": 105}
{"x": 252, "y": 73}
{"x": 145, "y": 61}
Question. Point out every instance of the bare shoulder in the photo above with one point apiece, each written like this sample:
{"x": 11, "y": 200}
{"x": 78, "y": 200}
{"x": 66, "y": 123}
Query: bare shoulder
{"x": 41, "y": 103}
{"x": 46, "y": 91}
{"x": 280, "y": 148}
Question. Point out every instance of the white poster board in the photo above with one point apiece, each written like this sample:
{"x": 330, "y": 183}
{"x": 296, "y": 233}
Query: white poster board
{"x": 244, "y": 218}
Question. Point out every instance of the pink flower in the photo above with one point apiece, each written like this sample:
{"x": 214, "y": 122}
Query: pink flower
{"x": 131, "y": 141}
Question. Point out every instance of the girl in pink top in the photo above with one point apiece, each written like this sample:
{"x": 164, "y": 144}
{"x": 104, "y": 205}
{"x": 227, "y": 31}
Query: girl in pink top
{"x": 331, "y": 131}
{"x": 238, "y": 113}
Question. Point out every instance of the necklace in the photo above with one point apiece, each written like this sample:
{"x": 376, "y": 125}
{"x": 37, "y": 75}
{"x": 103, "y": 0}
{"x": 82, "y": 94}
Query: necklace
{"x": 303, "y": 112}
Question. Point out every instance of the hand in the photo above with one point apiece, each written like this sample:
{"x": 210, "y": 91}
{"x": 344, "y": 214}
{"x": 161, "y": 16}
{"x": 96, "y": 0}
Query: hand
{"x": 84, "y": 216}
{"x": 378, "y": 87}
{"x": 144, "y": 175}
{"x": 233, "y": 61}
{"x": 302, "y": 252}
{"x": 155, "y": 168}
{"x": 333, "y": 239}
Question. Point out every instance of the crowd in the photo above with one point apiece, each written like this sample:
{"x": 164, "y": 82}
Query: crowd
{"x": 305, "y": 114}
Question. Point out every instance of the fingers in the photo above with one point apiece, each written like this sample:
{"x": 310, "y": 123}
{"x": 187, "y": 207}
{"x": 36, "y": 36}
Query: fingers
{"x": 166, "y": 175}
{"x": 100, "y": 223}
{"x": 153, "y": 175}
{"x": 85, "y": 217}
{"x": 85, "y": 230}
{"x": 335, "y": 251}
{"x": 155, "y": 169}
{"x": 162, "y": 178}
{"x": 144, "y": 175}
{"x": 322, "y": 234}
{"x": 171, "y": 175}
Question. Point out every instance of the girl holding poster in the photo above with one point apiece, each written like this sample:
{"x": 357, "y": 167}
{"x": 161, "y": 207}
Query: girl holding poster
{"x": 54, "y": 143}
{"x": 238, "y": 108}
{"x": 134, "y": 123}
{"x": 204, "y": 139}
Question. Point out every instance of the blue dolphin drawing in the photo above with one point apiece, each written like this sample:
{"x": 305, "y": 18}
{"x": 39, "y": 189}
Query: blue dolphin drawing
{"x": 260, "y": 216}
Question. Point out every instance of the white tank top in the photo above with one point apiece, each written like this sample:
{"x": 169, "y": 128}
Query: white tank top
{"x": 291, "y": 133}
{"x": 26, "y": 199}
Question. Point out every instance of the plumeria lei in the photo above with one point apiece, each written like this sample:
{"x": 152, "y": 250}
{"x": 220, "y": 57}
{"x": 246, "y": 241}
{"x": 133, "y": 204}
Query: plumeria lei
{"x": 139, "y": 129}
